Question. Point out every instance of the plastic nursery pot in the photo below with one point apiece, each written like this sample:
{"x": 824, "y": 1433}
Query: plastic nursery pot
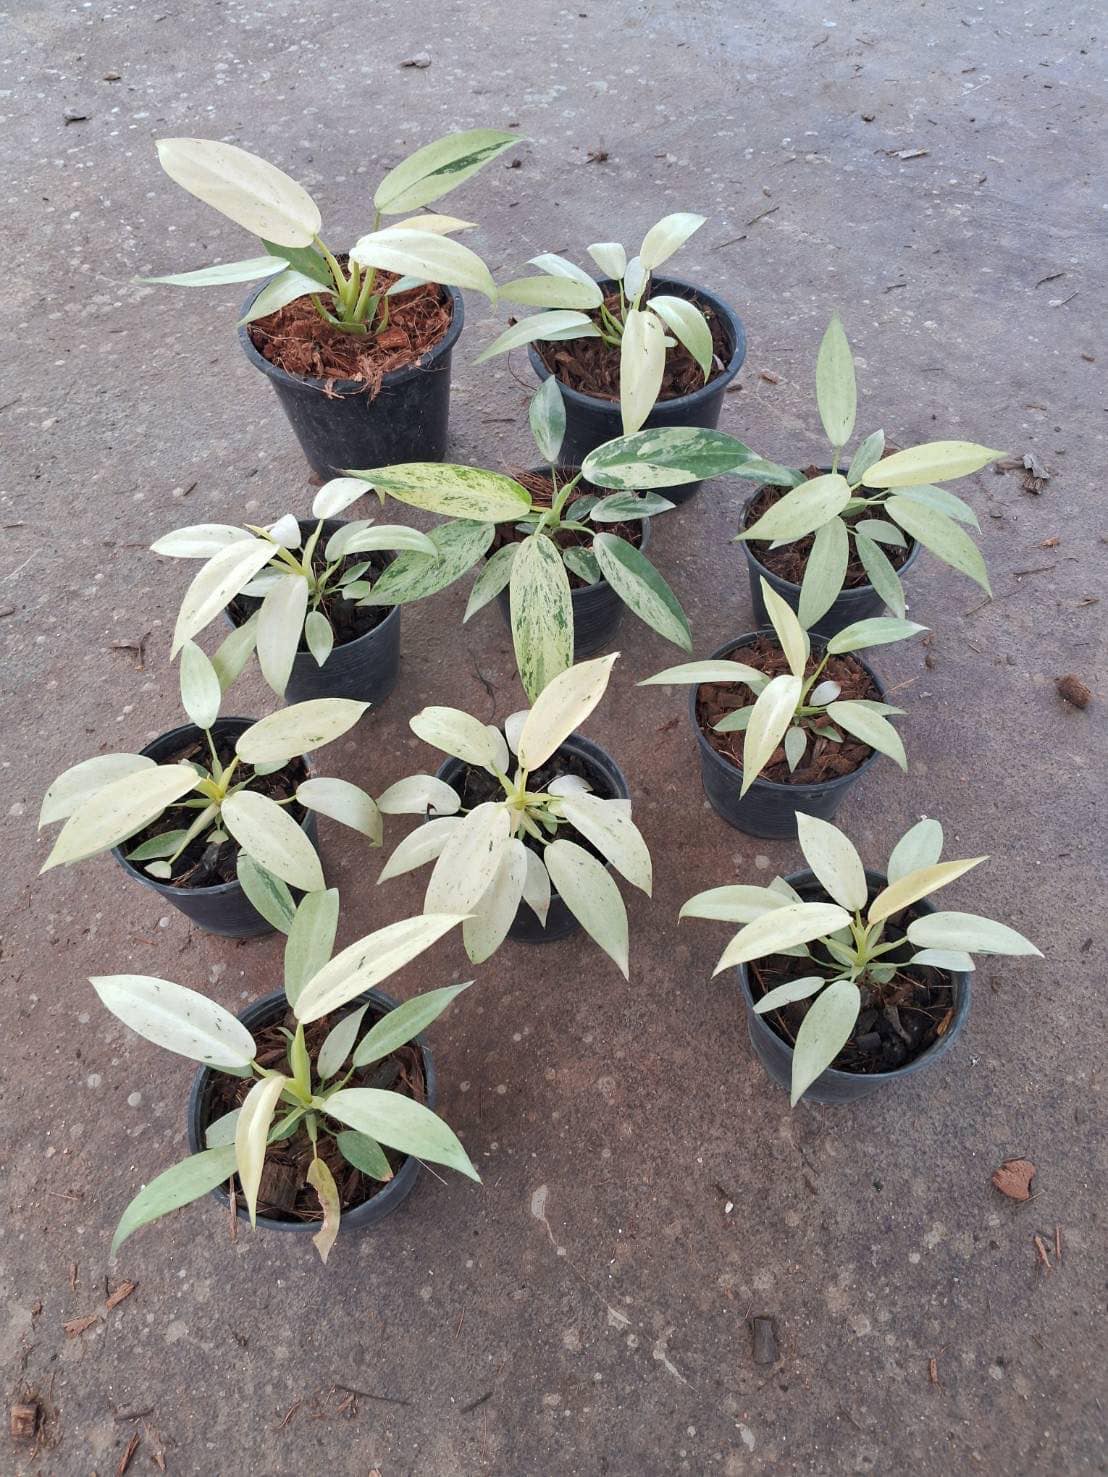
{"x": 338, "y": 425}
{"x": 263, "y": 1013}
{"x": 590, "y": 420}
{"x": 768, "y": 808}
{"x": 776, "y": 1055}
{"x": 223, "y": 909}
{"x": 608, "y": 780}
{"x": 365, "y": 669}
{"x": 597, "y": 609}
{"x": 859, "y": 603}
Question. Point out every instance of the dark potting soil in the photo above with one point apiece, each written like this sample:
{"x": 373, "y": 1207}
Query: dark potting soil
{"x": 541, "y": 489}
{"x": 298, "y": 340}
{"x": 823, "y": 759}
{"x": 283, "y": 1193}
{"x": 204, "y": 864}
{"x": 791, "y": 560}
{"x": 592, "y": 366}
{"x": 898, "y": 1021}
{"x": 349, "y": 620}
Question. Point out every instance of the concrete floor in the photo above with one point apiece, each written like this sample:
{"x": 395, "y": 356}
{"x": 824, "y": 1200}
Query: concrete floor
{"x": 586, "y": 1310}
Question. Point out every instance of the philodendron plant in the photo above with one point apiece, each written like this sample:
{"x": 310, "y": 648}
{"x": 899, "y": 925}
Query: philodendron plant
{"x": 266, "y": 202}
{"x": 640, "y": 327}
{"x": 106, "y": 800}
{"x": 503, "y": 852}
{"x": 846, "y": 939}
{"x": 307, "y": 1104}
{"x": 790, "y": 707}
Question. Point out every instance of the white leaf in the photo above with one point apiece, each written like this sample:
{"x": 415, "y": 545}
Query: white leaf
{"x": 642, "y": 363}
{"x": 559, "y": 266}
{"x": 791, "y": 634}
{"x": 968, "y": 931}
{"x": 513, "y": 728}
{"x": 279, "y": 291}
{"x": 280, "y": 624}
{"x": 343, "y": 802}
{"x": 201, "y": 692}
{"x": 920, "y": 846}
{"x": 216, "y": 584}
{"x": 736, "y": 903}
{"x": 424, "y": 254}
{"x": 688, "y": 325}
{"x": 272, "y": 838}
{"x": 419, "y": 794}
{"x": 614, "y": 834}
{"x": 178, "y": 1019}
{"x": 337, "y": 495}
{"x": 455, "y": 732}
{"x": 368, "y": 962}
{"x": 610, "y": 257}
{"x": 772, "y": 714}
{"x": 561, "y": 708}
{"x": 835, "y": 861}
{"x": 536, "y": 886}
{"x": 823, "y": 1033}
{"x": 117, "y": 810}
{"x": 254, "y": 194}
{"x": 286, "y": 532}
{"x": 200, "y": 540}
{"x": 915, "y": 885}
{"x": 497, "y": 907}
{"x": 591, "y": 895}
{"x": 796, "y": 923}
{"x": 788, "y": 992}
{"x": 540, "y": 326}
{"x": 469, "y": 860}
{"x": 75, "y": 785}
{"x": 252, "y": 1135}
{"x": 663, "y": 239}
{"x": 298, "y": 729}
{"x": 223, "y": 273}
{"x": 423, "y": 845}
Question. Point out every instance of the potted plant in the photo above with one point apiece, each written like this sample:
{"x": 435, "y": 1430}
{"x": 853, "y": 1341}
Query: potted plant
{"x": 522, "y": 845}
{"x": 319, "y": 600}
{"x": 356, "y": 347}
{"x": 316, "y": 1103}
{"x": 851, "y": 979}
{"x": 216, "y": 814}
{"x": 790, "y": 729}
{"x": 633, "y": 349}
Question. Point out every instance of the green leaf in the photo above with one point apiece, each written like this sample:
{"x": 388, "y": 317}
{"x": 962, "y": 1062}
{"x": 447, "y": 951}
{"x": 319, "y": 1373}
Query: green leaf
{"x": 920, "y": 846}
{"x": 457, "y": 491}
{"x": 835, "y": 861}
{"x": 364, "y": 1153}
{"x": 738, "y": 722}
{"x": 436, "y": 168}
{"x": 591, "y": 895}
{"x": 836, "y": 393}
{"x": 183, "y": 1183}
{"x": 688, "y": 325}
{"x": 541, "y": 614}
{"x": 663, "y": 239}
{"x": 273, "y": 839}
{"x": 918, "y": 884}
{"x": 217, "y": 276}
{"x": 622, "y": 507}
{"x": 877, "y": 631}
{"x": 367, "y": 962}
{"x": 304, "y": 259}
{"x": 311, "y": 937}
{"x": 279, "y": 291}
{"x": 164, "y": 845}
{"x": 882, "y": 576}
{"x": 871, "y": 728}
{"x": 671, "y": 456}
{"x": 940, "y": 534}
{"x": 802, "y": 510}
{"x": 933, "y": 462}
{"x": 881, "y": 531}
{"x": 75, "y": 785}
{"x": 247, "y": 190}
{"x": 116, "y": 810}
{"x": 425, "y": 255}
{"x": 871, "y": 450}
{"x": 823, "y": 1033}
{"x": 547, "y": 415}
{"x": 788, "y": 992}
{"x": 825, "y": 572}
{"x": 178, "y": 1019}
{"x": 968, "y": 931}
{"x": 343, "y": 802}
{"x": 773, "y": 712}
{"x": 298, "y": 729}
{"x": 404, "y": 1023}
{"x": 946, "y": 502}
{"x": 413, "y": 576}
{"x": 319, "y": 636}
{"x": 642, "y": 589}
{"x": 266, "y": 893}
{"x": 561, "y": 709}
{"x": 782, "y": 928}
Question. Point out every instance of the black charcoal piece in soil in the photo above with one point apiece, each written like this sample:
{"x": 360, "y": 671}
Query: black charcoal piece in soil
{"x": 903, "y": 1026}
{"x": 579, "y": 756}
{"x": 588, "y": 373}
{"x": 827, "y": 770}
{"x": 204, "y": 885}
{"x": 285, "y": 1201}
{"x": 362, "y": 400}
{"x": 364, "y": 663}
{"x": 597, "y": 609}
{"x": 783, "y": 568}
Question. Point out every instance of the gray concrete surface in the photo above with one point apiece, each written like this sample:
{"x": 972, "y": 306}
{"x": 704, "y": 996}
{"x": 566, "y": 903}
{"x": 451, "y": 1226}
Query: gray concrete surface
{"x": 586, "y": 1310}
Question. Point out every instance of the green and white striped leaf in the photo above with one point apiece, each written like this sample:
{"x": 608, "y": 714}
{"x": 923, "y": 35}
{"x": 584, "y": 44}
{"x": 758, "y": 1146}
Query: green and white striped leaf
{"x": 641, "y": 588}
{"x": 298, "y": 729}
{"x": 773, "y": 712}
{"x": 590, "y": 894}
{"x": 670, "y": 456}
{"x": 795, "y": 923}
{"x": 311, "y": 937}
{"x": 247, "y": 190}
{"x": 882, "y": 576}
{"x": 871, "y": 728}
{"x": 940, "y": 534}
{"x": 580, "y": 562}
{"x": 436, "y": 168}
{"x": 670, "y": 233}
{"x": 423, "y": 845}
{"x": 642, "y": 363}
{"x": 823, "y": 1033}
{"x": 181, "y": 1020}
{"x": 456, "y": 547}
{"x": 944, "y": 501}
{"x": 335, "y": 497}
{"x": 547, "y": 416}
{"x": 252, "y": 1136}
{"x": 836, "y": 393}
{"x": 918, "y": 884}
{"x": 495, "y": 910}
{"x": 869, "y": 453}
{"x": 541, "y": 613}
{"x": 802, "y": 510}
{"x": 266, "y": 893}
{"x": 273, "y": 839}
{"x": 201, "y": 692}
{"x": 825, "y": 572}
{"x": 116, "y": 810}
{"x": 419, "y": 794}
{"x": 174, "y": 1187}
{"x": 736, "y": 903}
{"x": 876, "y": 631}
{"x": 920, "y": 846}
{"x": 368, "y": 962}
{"x": 456, "y": 491}
{"x": 74, "y": 786}
{"x": 343, "y": 802}
{"x": 688, "y": 325}
{"x": 935, "y": 461}
{"x": 457, "y": 733}
{"x": 426, "y": 255}
{"x": 219, "y": 276}
{"x": 561, "y": 709}
{"x": 968, "y": 931}
{"x": 200, "y": 540}
{"x": 788, "y": 992}
{"x": 493, "y": 577}
{"x": 279, "y": 291}
{"x": 402, "y": 1123}
{"x": 835, "y": 861}
{"x": 217, "y": 583}
{"x": 469, "y": 861}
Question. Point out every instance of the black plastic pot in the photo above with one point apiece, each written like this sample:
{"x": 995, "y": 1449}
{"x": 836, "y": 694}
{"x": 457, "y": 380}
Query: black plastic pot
{"x": 832, "y": 1086}
{"x": 861, "y": 603}
{"x": 339, "y": 426}
{"x": 224, "y": 909}
{"x": 597, "y": 609}
{"x": 609, "y": 778}
{"x": 365, "y": 669}
{"x": 768, "y": 808}
{"x": 590, "y": 421}
{"x": 263, "y": 1013}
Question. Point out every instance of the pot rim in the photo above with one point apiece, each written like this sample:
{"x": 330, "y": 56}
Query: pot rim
{"x": 764, "y": 569}
{"x": 349, "y": 388}
{"x": 216, "y": 889}
{"x": 695, "y": 398}
{"x": 267, "y": 1004}
{"x": 775, "y": 786}
{"x": 959, "y": 978}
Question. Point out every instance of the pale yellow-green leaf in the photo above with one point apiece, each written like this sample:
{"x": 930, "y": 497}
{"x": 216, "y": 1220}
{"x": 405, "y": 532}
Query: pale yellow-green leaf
{"x": 737, "y": 903}
{"x": 337, "y": 495}
{"x": 423, "y": 845}
{"x": 469, "y": 860}
{"x": 688, "y": 325}
{"x": 369, "y": 961}
{"x": 247, "y": 190}
{"x": 234, "y": 651}
{"x": 311, "y": 937}
{"x": 426, "y": 255}
{"x": 536, "y": 886}
{"x": 706, "y": 671}
{"x": 117, "y": 810}
{"x": 823, "y": 1033}
{"x": 802, "y": 510}
{"x": 280, "y": 626}
{"x": 551, "y": 292}
{"x": 934, "y": 461}
{"x": 201, "y": 692}
{"x": 224, "y": 273}
{"x": 199, "y": 540}
{"x": 610, "y": 257}
{"x": 791, "y": 634}
{"x": 590, "y": 894}
{"x": 642, "y": 362}
{"x": 298, "y": 729}
{"x": 393, "y": 1119}
{"x": 441, "y": 225}
{"x": 178, "y": 1019}
{"x": 920, "y": 846}
{"x": 773, "y": 710}
{"x": 834, "y": 859}
{"x": 836, "y": 393}
{"x": 782, "y": 928}
{"x": 561, "y": 709}
{"x": 457, "y": 733}
{"x": 279, "y": 291}
{"x": 252, "y": 1135}
{"x": 560, "y": 266}
{"x": 272, "y": 838}
{"x": 915, "y": 885}
{"x": 217, "y": 583}
{"x": 614, "y": 834}
{"x": 670, "y": 233}
{"x": 968, "y": 931}
{"x": 541, "y": 608}
{"x": 872, "y": 728}
{"x": 560, "y": 322}
{"x": 75, "y": 785}
{"x": 418, "y": 794}
{"x": 343, "y": 802}
{"x": 497, "y": 906}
